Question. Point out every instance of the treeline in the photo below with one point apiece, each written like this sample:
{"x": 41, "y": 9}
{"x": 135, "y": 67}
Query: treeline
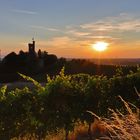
{"x": 64, "y": 100}
{"x": 39, "y": 64}
{"x": 29, "y": 63}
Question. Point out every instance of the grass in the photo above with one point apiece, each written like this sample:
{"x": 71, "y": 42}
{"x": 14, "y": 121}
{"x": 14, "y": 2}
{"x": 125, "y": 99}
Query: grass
{"x": 117, "y": 127}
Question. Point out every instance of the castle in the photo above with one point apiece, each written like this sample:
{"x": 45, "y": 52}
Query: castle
{"x": 31, "y": 47}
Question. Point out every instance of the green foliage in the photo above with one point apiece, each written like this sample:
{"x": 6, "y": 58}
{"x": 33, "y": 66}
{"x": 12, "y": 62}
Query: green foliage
{"x": 119, "y": 72}
{"x": 3, "y": 92}
{"x": 64, "y": 100}
{"x": 37, "y": 84}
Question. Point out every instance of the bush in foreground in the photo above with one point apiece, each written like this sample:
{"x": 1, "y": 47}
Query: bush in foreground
{"x": 118, "y": 127}
{"x": 63, "y": 101}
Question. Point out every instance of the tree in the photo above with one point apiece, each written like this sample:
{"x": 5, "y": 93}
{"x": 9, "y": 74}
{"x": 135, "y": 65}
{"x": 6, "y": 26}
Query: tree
{"x": 40, "y": 54}
{"x": 10, "y": 59}
{"x": 50, "y": 59}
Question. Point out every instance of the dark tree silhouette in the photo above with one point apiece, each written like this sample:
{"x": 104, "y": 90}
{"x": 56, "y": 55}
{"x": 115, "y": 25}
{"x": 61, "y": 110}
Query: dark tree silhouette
{"x": 10, "y": 59}
{"x": 40, "y": 55}
{"x": 50, "y": 59}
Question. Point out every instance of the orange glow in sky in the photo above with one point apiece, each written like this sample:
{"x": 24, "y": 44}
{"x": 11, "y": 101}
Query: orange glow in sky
{"x": 100, "y": 46}
{"x": 68, "y": 30}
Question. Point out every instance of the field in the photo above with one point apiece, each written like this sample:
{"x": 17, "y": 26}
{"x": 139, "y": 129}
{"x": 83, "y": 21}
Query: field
{"x": 68, "y": 107}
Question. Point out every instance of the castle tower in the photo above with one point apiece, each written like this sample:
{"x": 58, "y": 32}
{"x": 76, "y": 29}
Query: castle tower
{"x": 31, "y": 46}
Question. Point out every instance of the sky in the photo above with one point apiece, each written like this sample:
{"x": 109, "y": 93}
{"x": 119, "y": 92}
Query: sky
{"x": 68, "y": 28}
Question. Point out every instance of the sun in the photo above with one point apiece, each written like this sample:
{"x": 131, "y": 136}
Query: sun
{"x": 100, "y": 46}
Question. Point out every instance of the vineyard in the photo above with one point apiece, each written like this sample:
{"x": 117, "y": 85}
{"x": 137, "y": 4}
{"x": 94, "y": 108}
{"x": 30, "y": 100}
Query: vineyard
{"x": 64, "y": 101}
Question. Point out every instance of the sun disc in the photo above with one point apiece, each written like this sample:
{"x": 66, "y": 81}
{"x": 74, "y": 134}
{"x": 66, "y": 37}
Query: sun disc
{"x": 100, "y": 46}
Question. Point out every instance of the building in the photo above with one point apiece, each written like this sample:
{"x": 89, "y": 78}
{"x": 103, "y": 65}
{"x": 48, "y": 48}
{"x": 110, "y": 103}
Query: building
{"x": 31, "y": 47}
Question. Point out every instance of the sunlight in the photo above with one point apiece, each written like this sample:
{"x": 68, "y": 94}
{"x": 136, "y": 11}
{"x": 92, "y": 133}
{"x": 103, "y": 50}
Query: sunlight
{"x": 100, "y": 46}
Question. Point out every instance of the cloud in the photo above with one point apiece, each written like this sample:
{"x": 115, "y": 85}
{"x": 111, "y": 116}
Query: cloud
{"x": 80, "y": 34}
{"x": 108, "y": 28}
{"x": 75, "y": 40}
{"x": 122, "y": 23}
{"x": 77, "y": 33}
{"x": 45, "y": 28}
{"x": 24, "y": 12}
{"x": 117, "y": 30}
{"x": 56, "y": 42}
{"x": 104, "y": 37}
{"x": 67, "y": 47}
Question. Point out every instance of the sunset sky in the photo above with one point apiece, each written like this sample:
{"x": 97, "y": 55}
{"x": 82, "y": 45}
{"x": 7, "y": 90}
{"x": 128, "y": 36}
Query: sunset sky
{"x": 68, "y": 28}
